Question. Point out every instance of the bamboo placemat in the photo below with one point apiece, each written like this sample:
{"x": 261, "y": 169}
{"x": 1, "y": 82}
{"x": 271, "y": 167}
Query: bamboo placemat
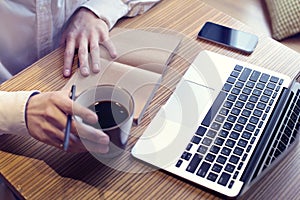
{"x": 38, "y": 171}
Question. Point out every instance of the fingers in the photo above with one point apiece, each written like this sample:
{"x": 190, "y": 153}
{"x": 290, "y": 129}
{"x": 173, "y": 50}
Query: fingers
{"x": 90, "y": 139}
{"x": 90, "y": 133}
{"x": 69, "y": 55}
{"x": 83, "y": 56}
{"x": 93, "y": 139}
{"x": 85, "y": 32}
{"x": 109, "y": 45}
{"x": 83, "y": 145}
{"x": 95, "y": 55}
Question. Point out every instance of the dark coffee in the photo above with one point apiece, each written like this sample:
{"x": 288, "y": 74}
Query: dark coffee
{"x": 109, "y": 113}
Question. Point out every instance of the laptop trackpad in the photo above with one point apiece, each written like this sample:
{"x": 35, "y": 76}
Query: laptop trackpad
{"x": 172, "y": 128}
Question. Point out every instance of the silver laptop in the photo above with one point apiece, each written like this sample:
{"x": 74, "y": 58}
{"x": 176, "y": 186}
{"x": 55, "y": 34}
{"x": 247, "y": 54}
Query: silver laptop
{"x": 224, "y": 126}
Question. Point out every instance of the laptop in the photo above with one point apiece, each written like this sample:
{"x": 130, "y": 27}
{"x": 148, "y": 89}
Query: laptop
{"x": 225, "y": 125}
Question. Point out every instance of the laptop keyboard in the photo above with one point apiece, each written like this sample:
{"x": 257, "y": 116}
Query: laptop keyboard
{"x": 227, "y": 134}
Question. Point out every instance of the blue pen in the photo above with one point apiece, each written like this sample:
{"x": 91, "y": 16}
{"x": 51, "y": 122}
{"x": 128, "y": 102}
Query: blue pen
{"x": 69, "y": 120}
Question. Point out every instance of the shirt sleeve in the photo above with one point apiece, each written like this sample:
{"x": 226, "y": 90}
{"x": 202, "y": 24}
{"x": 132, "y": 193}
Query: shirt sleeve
{"x": 12, "y": 112}
{"x": 112, "y": 10}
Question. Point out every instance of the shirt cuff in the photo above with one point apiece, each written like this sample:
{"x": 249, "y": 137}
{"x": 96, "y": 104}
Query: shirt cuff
{"x": 13, "y": 112}
{"x": 108, "y": 10}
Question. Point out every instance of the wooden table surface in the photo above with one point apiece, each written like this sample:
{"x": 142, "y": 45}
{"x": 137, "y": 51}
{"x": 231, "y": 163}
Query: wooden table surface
{"x": 37, "y": 171}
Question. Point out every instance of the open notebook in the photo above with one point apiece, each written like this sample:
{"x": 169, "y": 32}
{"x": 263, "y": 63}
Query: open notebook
{"x": 143, "y": 57}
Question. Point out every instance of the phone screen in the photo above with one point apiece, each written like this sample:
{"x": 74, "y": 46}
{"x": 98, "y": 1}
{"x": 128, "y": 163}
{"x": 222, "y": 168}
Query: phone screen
{"x": 229, "y": 37}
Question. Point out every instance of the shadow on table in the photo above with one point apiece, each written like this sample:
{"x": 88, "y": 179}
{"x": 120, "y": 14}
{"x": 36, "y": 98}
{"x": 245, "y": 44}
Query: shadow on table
{"x": 80, "y": 166}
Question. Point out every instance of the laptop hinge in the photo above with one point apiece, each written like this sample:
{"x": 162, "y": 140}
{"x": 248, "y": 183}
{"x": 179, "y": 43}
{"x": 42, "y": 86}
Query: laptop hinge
{"x": 268, "y": 134}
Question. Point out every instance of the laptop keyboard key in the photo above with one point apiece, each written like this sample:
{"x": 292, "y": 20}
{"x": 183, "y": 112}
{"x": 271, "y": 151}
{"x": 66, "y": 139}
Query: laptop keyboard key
{"x": 231, "y": 79}
{"x": 230, "y": 143}
{"x": 221, "y": 159}
{"x": 202, "y": 149}
{"x": 238, "y": 68}
{"x": 235, "y": 74}
{"x": 210, "y": 157}
{"x": 254, "y": 76}
{"x": 260, "y": 86}
{"x": 268, "y": 92}
{"x": 246, "y": 135}
{"x": 196, "y": 140}
{"x": 194, "y": 163}
{"x": 189, "y": 146}
{"x": 245, "y": 74}
{"x": 201, "y": 130}
{"x": 229, "y": 168}
{"x": 220, "y": 118}
{"x": 211, "y": 133}
{"x": 203, "y": 169}
{"x": 274, "y": 79}
{"x": 219, "y": 141}
{"x": 179, "y": 162}
{"x": 230, "y": 184}
{"x": 215, "y": 149}
{"x": 242, "y": 143}
{"x": 223, "y": 180}
{"x": 217, "y": 168}
{"x": 264, "y": 78}
{"x": 256, "y": 92}
{"x": 186, "y": 155}
{"x": 207, "y": 141}
{"x": 212, "y": 176}
{"x": 238, "y": 151}
{"x": 243, "y": 97}
{"x": 234, "y": 135}
{"x": 239, "y": 84}
{"x": 242, "y": 120}
{"x": 225, "y": 151}
{"x": 234, "y": 159}
{"x": 227, "y": 87}
{"x": 271, "y": 86}
{"x": 223, "y": 133}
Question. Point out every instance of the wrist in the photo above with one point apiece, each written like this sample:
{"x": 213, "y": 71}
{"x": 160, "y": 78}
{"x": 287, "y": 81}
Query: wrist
{"x": 26, "y": 107}
{"x": 88, "y": 11}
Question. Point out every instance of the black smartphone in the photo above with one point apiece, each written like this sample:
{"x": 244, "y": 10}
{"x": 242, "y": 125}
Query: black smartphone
{"x": 229, "y": 37}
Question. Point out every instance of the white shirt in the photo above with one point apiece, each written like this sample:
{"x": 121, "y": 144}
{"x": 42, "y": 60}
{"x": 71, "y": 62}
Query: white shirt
{"x": 30, "y": 29}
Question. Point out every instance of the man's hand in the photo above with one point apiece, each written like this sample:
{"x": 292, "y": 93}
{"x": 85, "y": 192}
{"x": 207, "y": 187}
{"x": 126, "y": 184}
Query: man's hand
{"x": 85, "y": 32}
{"x": 47, "y": 117}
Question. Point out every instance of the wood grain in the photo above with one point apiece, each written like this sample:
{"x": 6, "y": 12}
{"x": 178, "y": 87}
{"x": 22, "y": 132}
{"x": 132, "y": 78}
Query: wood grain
{"x": 37, "y": 171}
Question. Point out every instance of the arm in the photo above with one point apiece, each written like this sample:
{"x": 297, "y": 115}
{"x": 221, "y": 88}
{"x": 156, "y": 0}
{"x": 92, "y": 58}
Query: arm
{"x": 112, "y": 10}
{"x": 90, "y": 27}
{"x": 12, "y": 112}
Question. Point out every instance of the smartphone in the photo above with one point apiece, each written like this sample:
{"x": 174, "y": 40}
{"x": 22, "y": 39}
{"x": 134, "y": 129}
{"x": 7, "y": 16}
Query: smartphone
{"x": 229, "y": 37}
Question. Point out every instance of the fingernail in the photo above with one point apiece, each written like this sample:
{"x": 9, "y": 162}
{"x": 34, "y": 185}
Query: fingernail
{"x": 96, "y": 68}
{"x": 85, "y": 71}
{"x": 114, "y": 55}
{"x": 67, "y": 72}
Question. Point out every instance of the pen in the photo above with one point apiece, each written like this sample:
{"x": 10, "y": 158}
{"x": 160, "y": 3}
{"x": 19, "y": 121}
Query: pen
{"x": 69, "y": 120}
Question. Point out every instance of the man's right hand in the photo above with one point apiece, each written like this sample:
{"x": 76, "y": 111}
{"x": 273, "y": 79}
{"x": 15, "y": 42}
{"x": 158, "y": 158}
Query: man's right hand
{"x": 46, "y": 115}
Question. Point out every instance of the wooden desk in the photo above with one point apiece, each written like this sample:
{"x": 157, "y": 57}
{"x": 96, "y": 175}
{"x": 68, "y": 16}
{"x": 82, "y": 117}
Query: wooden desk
{"x": 37, "y": 171}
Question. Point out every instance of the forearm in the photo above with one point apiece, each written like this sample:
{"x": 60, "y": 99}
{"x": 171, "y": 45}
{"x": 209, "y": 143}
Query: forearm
{"x": 112, "y": 10}
{"x": 12, "y": 112}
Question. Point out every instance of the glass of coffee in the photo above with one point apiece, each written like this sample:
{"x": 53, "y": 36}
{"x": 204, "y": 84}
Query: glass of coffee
{"x": 114, "y": 107}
